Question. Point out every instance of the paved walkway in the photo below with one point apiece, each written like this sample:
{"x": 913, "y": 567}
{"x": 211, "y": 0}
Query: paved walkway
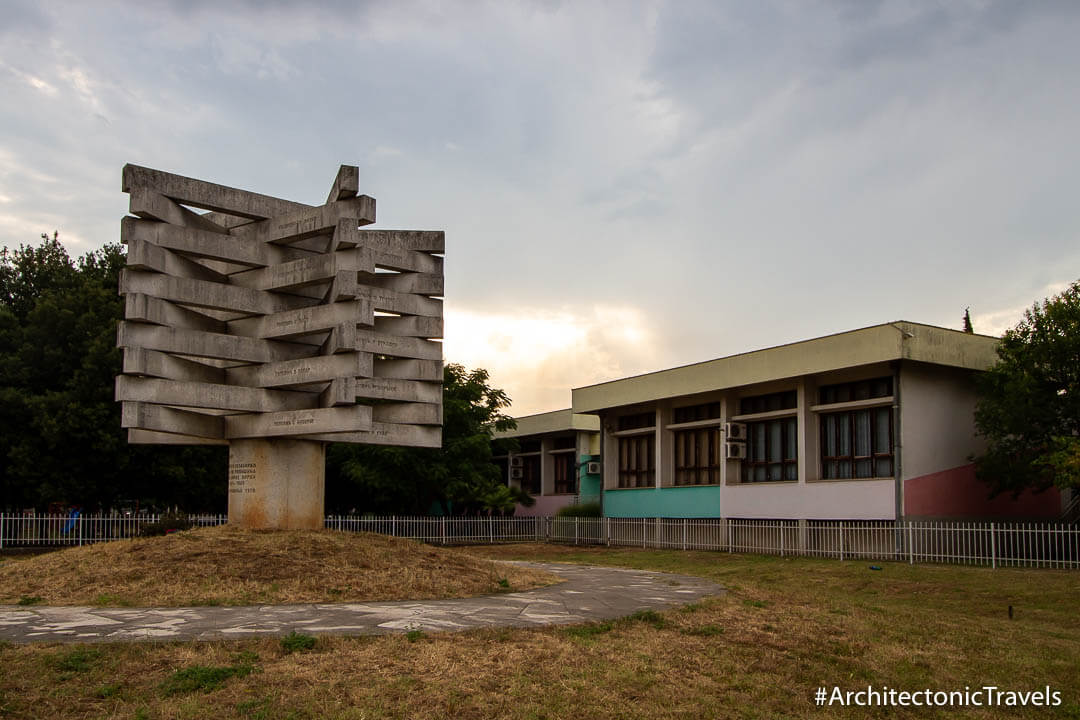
{"x": 589, "y": 593}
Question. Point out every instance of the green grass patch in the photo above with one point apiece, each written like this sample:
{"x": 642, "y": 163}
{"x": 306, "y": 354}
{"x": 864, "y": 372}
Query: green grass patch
{"x": 649, "y": 617}
{"x": 202, "y": 677}
{"x": 414, "y": 635}
{"x": 584, "y": 632}
{"x": 29, "y": 600}
{"x": 704, "y": 631}
{"x": 78, "y": 660}
{"x": 258, "y": 709}
{"x": 295, "y": 642}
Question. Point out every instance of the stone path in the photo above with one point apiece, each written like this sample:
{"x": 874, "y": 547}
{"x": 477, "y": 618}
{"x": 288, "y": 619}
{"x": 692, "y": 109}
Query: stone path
{"x": 589, "y": 593}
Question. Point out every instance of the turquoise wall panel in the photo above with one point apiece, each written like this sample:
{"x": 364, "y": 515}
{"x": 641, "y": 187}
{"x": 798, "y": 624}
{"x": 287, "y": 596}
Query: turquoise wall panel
{"x": 590, "y": 487}
{"x": 673, "y": 502}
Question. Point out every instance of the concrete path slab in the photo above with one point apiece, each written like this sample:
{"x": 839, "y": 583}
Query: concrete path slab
{"x": 589, "y": 593}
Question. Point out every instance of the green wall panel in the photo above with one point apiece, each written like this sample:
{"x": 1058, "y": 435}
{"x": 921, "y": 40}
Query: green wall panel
{"x": 674, "y": 502}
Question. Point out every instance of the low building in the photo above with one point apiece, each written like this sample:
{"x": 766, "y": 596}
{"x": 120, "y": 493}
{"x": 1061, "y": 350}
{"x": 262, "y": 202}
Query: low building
{"x": 871, "y": 424}
{"x": 556, "y": 461}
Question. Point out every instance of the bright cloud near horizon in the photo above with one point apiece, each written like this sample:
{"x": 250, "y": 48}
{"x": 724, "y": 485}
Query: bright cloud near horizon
{"x": 624, "y": 186}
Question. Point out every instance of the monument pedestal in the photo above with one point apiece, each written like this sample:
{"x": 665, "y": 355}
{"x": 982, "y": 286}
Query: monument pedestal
{"x": 277, "y": 484}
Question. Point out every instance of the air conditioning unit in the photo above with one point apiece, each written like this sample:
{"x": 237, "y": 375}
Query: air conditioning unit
{"x": 517, "y": 473}
{"x": 734, "y": 450}
{"x": 734, "y": 431}
{"x": 592, "y": 468}
{"x": 517, "y": 461}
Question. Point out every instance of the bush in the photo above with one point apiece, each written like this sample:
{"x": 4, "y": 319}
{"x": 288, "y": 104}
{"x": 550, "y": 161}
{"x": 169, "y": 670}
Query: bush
{"x": 168, "y": 523}
{"x": 591, "y": 509}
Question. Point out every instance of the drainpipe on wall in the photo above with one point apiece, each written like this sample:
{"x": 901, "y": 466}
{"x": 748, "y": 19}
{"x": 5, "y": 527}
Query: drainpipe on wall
{"x": 898, "y": 452}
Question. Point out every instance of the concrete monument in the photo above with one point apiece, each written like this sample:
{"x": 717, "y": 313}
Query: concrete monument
{"x": 275, "y": 327}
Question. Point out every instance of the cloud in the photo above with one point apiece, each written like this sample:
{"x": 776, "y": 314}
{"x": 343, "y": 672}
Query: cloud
{"x": 33, "y": 81}
{"x": 751, "y": 173}
{"x": 996, "y": 322}
{"x": 537, "y": 354}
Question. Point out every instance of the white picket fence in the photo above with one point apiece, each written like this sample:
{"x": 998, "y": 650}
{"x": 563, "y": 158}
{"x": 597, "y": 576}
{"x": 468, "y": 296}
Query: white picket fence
{"x": 1052, "y": 545}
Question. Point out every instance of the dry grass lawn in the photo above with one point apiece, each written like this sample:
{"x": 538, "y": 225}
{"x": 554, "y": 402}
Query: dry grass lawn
{"x": 229, "y": 566}
{"x": 786, "y": 627}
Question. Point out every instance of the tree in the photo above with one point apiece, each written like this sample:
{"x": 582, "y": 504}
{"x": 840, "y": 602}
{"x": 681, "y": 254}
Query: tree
{"x": 60, "y": 434}
{"x": 968, "y": 327}
{"x": 1029, "y": 402}
{"x": 460, "y": 477}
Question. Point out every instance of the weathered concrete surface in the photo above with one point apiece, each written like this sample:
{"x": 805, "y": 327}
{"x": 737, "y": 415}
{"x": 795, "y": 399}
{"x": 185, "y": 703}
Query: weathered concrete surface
{"x": 277, "y": 483}
{"x": 589, "y": 594}
{"x": 235, "y": 320}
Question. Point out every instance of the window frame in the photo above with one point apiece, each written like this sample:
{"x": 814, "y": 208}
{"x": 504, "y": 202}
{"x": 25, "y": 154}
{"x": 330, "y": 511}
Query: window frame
{"x": 633, "y": 444}
{"x": 529, "y": 462}
{"x": 851, "y": 409}
{"x": 787, "y": 458}
{"x": 564, "y": 461}
{"x": 696, "y": 473}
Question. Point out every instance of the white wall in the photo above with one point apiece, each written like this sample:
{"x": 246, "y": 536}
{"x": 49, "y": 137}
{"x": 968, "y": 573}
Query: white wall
{"x": 825, "y": 500}
{"x": 937, "y": 423}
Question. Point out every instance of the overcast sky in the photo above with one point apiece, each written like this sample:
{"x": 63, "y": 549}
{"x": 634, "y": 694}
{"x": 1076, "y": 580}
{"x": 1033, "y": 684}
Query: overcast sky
{"x": 624, "y": 186}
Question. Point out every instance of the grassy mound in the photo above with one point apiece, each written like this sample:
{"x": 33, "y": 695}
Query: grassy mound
{"x": 229, "y": 566}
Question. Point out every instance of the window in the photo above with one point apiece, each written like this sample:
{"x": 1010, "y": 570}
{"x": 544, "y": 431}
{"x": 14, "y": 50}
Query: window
{"x": 636, "y": 422}
{"x": 861, "y": 390}
{"x": 768, "y": 403}
{"x": 637, "y": 461}
{"x": 697, "y": 456}
{"x": 857, "y": 444}
{"x": 530, "y": 480}
{"x": 563, "y": 443}
{"x": 693, "y": 413}
{"x": 772, "y": 451}
{"x": 565, "y": 475}
{"x": 528, "y": 446}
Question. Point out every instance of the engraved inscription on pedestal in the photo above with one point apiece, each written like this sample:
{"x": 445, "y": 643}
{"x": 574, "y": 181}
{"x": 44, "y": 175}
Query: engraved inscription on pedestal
{"x": 241, "y": 478}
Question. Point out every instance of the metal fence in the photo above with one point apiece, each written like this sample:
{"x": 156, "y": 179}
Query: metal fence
{"x": 1054, "y": 545}
{"x": 21, "y": 530}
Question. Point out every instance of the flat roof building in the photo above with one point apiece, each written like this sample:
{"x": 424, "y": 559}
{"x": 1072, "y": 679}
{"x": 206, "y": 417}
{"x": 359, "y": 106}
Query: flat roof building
{"x": 556, "y": 462}
{"x": 871, "y": 424}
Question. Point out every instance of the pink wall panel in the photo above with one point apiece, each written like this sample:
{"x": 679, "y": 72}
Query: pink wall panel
{"x": 545, "y": 505}
{"x": 956, "y": 493}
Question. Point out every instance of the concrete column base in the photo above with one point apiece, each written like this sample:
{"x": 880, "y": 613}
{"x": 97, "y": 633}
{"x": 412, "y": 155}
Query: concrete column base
{"x": 277, "y": 484}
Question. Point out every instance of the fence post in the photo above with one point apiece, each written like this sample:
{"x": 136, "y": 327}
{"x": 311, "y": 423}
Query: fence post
{"x": 1, "y": 530}
{"x": 993, "y": 548}
{"x": 841, "y": 539}
{"x": 576, "y": 519}
{"x": 442, "y": 525}
{"x": 910, "y": 545}
{"x": 607, "y": 531}
{"x": 80, "y": 529}
{"x": 684, "y": 521}
{"x": 781, "y": 538}
{"x": 491, "y": 529}
{"x": 644, "y": 533}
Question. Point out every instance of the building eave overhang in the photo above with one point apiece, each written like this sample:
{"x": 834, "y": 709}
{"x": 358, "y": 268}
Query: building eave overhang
{"x": 552, "y": 422}
{"x": 901, "y": 340}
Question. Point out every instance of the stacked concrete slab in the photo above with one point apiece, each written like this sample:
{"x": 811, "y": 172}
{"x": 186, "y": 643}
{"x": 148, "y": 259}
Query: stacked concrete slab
{"x": 275, "y": 327}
